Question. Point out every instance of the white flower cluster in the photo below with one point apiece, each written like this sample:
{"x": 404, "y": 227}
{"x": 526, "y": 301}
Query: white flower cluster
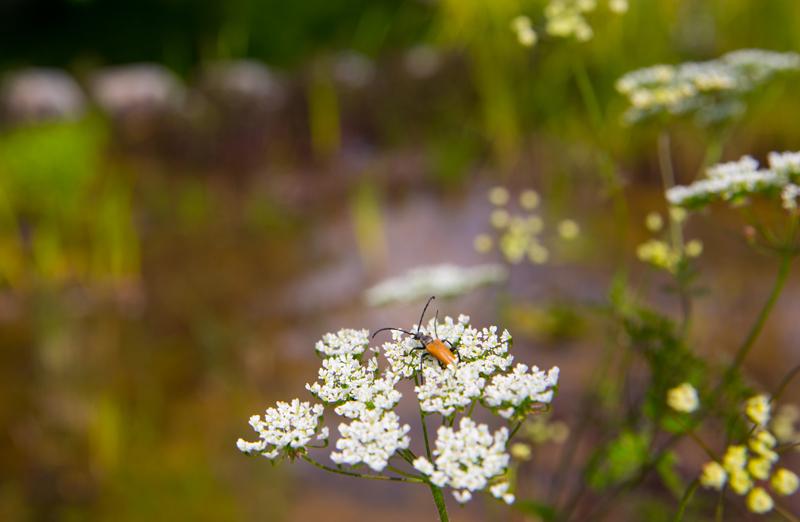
{"x": 343, "y": 342}
{"x": 712, "y": 89}
{"x": 365, "y": 395}
{"x": 567, "y": 18}
{"x": 371, "y": 439}
{"x": 736, "y": 180}
{"x": 485, "y": 350}
{"x": 285, "y": 429}
{"x": 452, "y": 388}
{"x": 377, "y": 394}
{"x": 340, "y": 376}
{"x": 358, "y": 392}
{"x": 513, "y": 394}
{"x": 444, "y": 280}
{"x": 468, "y": 459}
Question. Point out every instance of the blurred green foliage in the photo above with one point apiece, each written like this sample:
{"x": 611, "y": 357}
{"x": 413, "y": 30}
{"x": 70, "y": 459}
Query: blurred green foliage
{"x": 64, "y": 214}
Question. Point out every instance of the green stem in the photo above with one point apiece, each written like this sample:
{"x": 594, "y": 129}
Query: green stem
{"x": 513, "y": 432}
{"x": 719, "y": 511}
{"x": 438, "y": 499}
{"x": 785, "y": 514}
{"x": 401, "y": 472}
{"x": 358, "y": 475}
{"x": 776, "y": 395}
{"x": 425, "y": 432}
{"x": 668, "y": 181}
{"x": 675, "y": 228}
{"x": 607, "y": 169}
{"x": 699, "y": 441}
{"x": 755, "y": 330}
{"x": 687, "y": 497}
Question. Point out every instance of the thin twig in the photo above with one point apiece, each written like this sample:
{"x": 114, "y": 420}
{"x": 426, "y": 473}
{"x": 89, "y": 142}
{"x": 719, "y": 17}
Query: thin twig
{"x": 359, "y": 475}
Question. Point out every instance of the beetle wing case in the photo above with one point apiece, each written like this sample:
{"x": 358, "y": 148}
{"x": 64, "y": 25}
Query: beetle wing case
{"x": 440, "y": 350}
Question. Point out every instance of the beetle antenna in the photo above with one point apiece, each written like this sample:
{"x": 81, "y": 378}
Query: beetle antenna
{"x": 412, "y": 334}
{"x": 421, "y": 317}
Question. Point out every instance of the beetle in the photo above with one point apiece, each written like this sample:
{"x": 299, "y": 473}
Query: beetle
{"x": 432, "y": 345}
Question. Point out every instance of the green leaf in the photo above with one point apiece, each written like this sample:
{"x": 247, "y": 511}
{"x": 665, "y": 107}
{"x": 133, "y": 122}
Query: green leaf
{"x": 544, "y": 511}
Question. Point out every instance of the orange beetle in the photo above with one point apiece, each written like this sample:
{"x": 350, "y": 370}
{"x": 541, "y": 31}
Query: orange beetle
{"x": 433, "y": 346}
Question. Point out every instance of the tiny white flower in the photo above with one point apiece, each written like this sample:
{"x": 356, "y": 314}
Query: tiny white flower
{"x": 462, "y": 496}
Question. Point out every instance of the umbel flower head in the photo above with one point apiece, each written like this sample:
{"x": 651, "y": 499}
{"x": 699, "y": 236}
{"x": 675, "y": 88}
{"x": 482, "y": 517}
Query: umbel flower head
{"x": 360, "y": 386}
{"x": 735, "y": 181}
{"x": 711, "y": 90}
{"x": 519, "y": 232}
{"x": 468, "y": 459}
{"x": 750, "y": 469}
{"x": 285, "y": 429}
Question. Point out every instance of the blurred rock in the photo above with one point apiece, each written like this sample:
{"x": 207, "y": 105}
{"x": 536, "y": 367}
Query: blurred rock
{"x": 137, "y": 88}
{"x": 245, "y": 82}
{"x": 353, "y": 70}
{"x": 422, "y": 61}
{"x": 41, "y": 94}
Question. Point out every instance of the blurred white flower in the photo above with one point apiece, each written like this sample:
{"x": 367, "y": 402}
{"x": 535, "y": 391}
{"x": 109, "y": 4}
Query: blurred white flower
{"x": 466, "y": 460}
{"x": 712, "y": 90}
{"x": 500, "y": 490}
{"x": 41, "y": 94}
{"x": 442, "y": 280}
{"x": 683, "y": 398}
{"x": 789, "y": 196}
{"x": 284, "y": 430}
{"x": 521, "y": 25}
{"x": 758, "y": 409}
{"x": 736, "y": 180}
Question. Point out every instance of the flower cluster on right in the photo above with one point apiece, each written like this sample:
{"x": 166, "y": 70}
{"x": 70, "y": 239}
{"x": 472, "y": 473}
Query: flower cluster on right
{"x": 751, "y": 468}
{"x": 735, "y": 181}
{"x": 712, "y": 90}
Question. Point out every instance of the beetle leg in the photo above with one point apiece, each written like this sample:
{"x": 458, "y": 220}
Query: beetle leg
{"x": 452, "y": 348}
